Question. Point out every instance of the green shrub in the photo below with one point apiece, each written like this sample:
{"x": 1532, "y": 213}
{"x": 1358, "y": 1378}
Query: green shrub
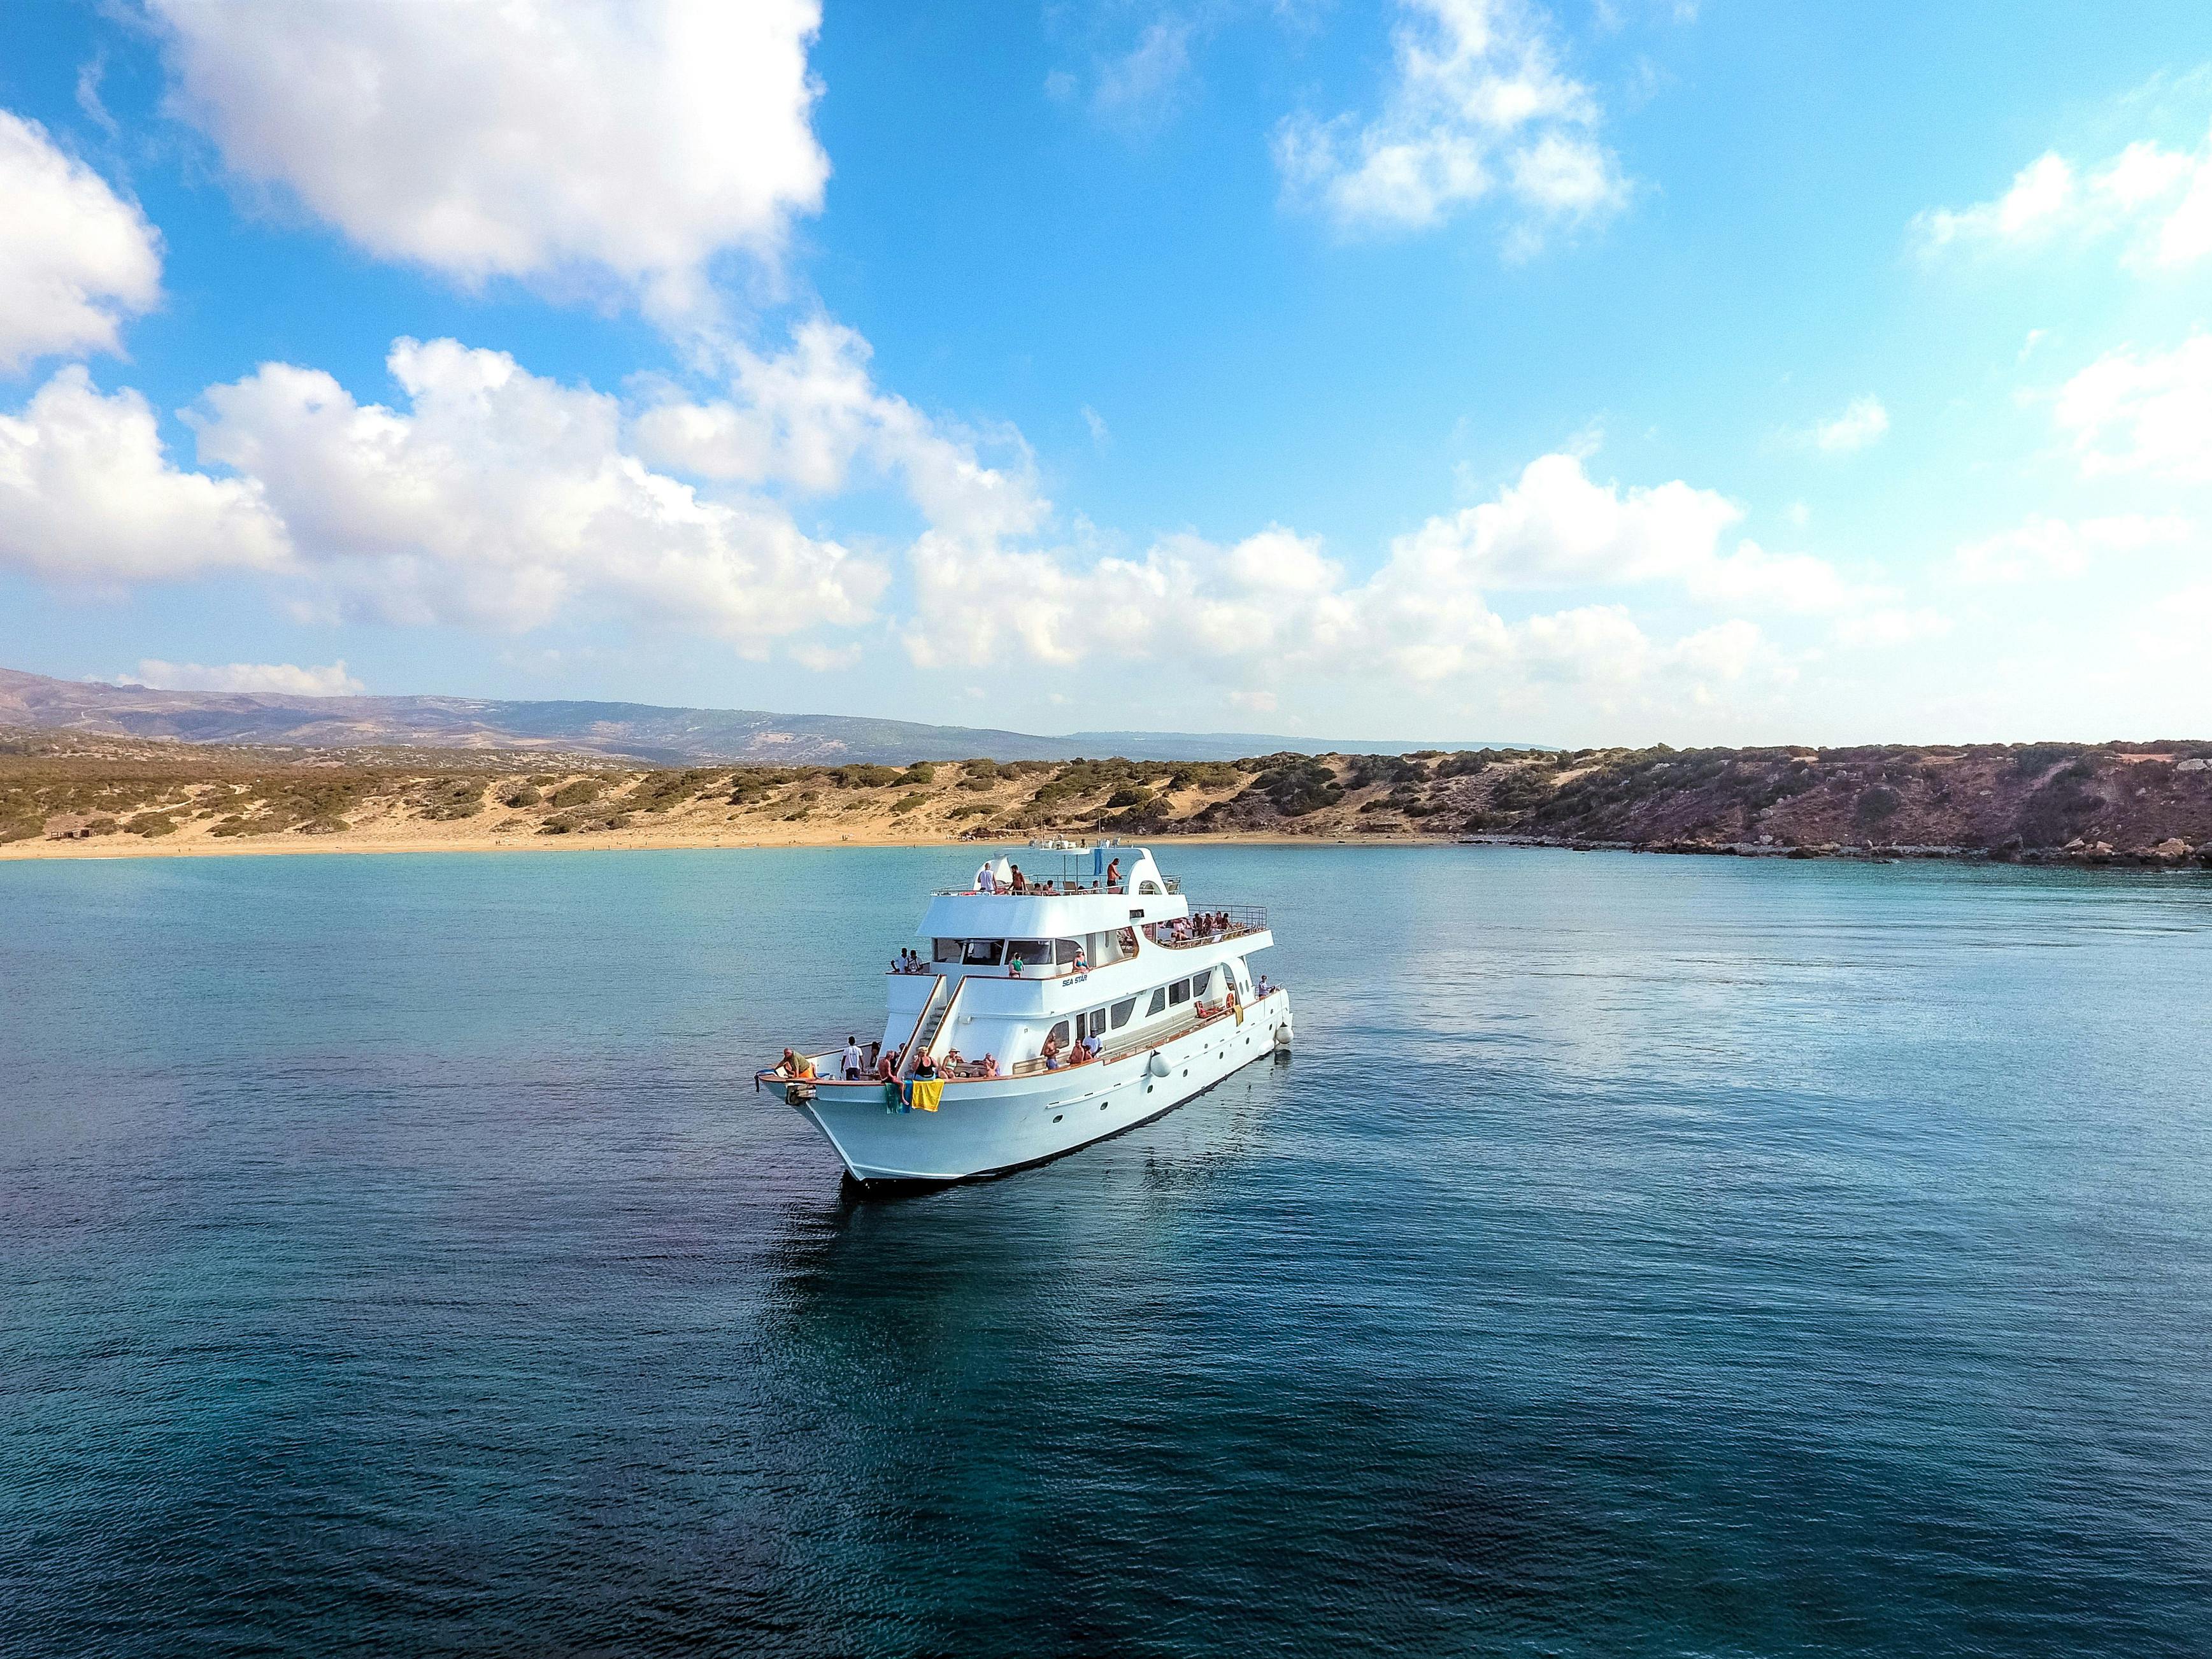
{"x": 1875, "y": 804}
{"x": 908, "y": 802}
{"x": 520, "y": 794}
{"x": 922, "y": 771}
{"x": 1128, "y": 795}
{"x": 582, "y": 793}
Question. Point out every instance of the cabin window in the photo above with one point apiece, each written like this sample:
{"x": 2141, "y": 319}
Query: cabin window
{"x": 1159, "y": 1001}
{"x": 1122, "y": 1010}
{"x": 983, "y": 953}
{"x": 1059, "y": 1034}
{"x": 1199, "y": 982}
{"x": 1064, "y": 951}
{"x": 1097, "y": 1021}
{"x": 1034, "y": 952}
{"x": 949, "y": 950}
{"x": 1179, "y": 992}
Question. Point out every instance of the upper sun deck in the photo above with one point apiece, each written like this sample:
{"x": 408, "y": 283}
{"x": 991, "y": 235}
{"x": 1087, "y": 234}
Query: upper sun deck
{"x": 1095, "y": 889}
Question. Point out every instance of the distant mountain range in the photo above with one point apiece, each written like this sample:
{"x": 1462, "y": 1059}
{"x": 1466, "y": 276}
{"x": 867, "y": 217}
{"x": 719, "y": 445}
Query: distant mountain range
{"x": 666, "y": 737}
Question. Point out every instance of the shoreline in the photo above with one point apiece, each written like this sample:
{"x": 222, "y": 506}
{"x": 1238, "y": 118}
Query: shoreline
{"x": 112, "y": 849}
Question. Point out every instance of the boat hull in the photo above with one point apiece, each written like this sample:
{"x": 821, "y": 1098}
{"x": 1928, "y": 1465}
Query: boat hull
{"x": 990, "y": 1126}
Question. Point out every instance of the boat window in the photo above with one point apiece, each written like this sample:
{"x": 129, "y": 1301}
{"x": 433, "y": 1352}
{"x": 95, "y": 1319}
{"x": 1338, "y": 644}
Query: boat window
{"x": 949, "y": 950}
{"x": 1159, "y": 1001}
{"x": 1122, "y": 1010}
{"x": 983, "y": 953}
{"x": 1198, "y": 983}
{"x": 1097, "y": 1021}
{"x": 1034, "y": 952}
{"x": 1064, "y": 951}
{"x": 1180, "y": 991}
{"x": 1059, "y": 1034}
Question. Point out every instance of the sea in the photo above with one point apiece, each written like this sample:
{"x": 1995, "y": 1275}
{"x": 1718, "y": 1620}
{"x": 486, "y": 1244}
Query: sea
{"x": 1633, "y": 1255}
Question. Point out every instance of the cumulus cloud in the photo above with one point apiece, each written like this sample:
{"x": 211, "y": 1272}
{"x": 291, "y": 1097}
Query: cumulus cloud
{"x": 1863, "y": 423}
{"x": 1478, "y": 106}
{"x": 2047, "y": 547}
{"x": 1274, "y": 601}
{"x": 89, "y": 496}
{"x": 2159, "y": 199}
{"x": 519, "y": 139}
{"x": 2149, "y": 414}
{"x": 497, "y": 498}
{"x": 283, "y": 677}
{"x": 806, "y": 417}
{"x": 75, "y": 257}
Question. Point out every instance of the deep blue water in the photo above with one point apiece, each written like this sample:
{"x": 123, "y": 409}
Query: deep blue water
{"x": 1637, "y": 1256}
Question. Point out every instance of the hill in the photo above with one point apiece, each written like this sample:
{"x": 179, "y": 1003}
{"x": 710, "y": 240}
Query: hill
{"x": 2148, "y": 803}
{"x": 630, "y": 730}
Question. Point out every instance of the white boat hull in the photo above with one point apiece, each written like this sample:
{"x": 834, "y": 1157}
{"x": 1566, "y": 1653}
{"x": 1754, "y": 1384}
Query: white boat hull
{"x": 986, "y": 1127}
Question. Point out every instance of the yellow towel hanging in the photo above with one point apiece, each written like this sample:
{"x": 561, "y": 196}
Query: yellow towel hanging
{"x": 927, "y": 1090}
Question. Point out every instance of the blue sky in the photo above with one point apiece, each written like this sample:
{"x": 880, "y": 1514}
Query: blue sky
{"x": 1447, "y": 369}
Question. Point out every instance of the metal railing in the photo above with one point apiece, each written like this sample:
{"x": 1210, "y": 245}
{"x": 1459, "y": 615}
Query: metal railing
{"x": 1243, "y": 918}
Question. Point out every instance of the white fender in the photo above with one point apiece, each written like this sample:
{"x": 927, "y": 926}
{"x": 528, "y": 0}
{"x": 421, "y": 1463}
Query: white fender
{"x": 1157, "y": 1064}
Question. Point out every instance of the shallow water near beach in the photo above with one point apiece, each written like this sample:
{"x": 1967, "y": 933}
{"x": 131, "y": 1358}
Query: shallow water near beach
{"x": 1636, "y": 1256}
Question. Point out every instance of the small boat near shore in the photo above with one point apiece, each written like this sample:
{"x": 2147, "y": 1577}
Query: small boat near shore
{"x": 1041, "y": 1016}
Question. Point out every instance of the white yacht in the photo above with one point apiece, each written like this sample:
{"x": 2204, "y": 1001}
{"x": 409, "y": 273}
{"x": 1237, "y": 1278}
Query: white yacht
{"x": 1039, "y": 1016}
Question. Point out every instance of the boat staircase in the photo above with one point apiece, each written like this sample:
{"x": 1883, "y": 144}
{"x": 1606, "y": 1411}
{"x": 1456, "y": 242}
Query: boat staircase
{"x": 933, "y": 1023}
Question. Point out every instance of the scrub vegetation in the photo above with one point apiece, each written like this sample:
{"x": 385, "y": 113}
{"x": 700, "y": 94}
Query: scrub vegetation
{"x": 2144, "y": 802}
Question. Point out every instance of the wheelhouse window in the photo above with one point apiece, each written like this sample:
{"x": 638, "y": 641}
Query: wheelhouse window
{"x": 1064, "y": 951}
{"x": 983, "y": 953}
{"x": 1059, "y": 1034}
{"x": 950, "y": 949}
{"x": 1179, "y": 992}
{"x": 1033, "y": 953}
{"x": 1122, "y": 1010}
{"x": 1199, "y": 982}
{"x": 1159, "y": 1001}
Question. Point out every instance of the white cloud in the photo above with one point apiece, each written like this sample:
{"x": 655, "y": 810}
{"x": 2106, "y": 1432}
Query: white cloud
{"x": 806, "y": 418}
{"x": 2159, "y": 198}
{"x": 519, "y": 139}
{"x": 282, "y": 677}
{"x": 1256, "y": 702}
{"x": 1138, "y": 86}
{"x": 2042, "y": 547}
{"x": 828, "y": 658}
{"x": 1863, "y": 423}
{"x": 1478, "y": 106}
{"x": 87, "y": 495}
{"x": 499, "y": 498}
{"x": 1274, "y": 602}
{"x": 1101, "y": 435}
{"x": 75, "y": 257}
{"x": 1892, "y": 626}
{"x": 2150, "y": 414}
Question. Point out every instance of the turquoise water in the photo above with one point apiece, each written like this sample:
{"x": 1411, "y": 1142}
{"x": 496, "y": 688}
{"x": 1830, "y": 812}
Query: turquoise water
{"x": 1637, "y": 1256}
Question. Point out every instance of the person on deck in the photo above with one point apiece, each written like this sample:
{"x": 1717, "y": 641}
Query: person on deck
{"x": 1113, "y": 875}
{"x": 794, "y": 1065}
{"x": 985, "y": 881}
{"x": 848, "y": 1062}
{"x": 1021, "y": 881}
{"x": 887, "y": 1067}
{"x": 1051, "y": 1053}
{"x": 990, "y": 1066}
